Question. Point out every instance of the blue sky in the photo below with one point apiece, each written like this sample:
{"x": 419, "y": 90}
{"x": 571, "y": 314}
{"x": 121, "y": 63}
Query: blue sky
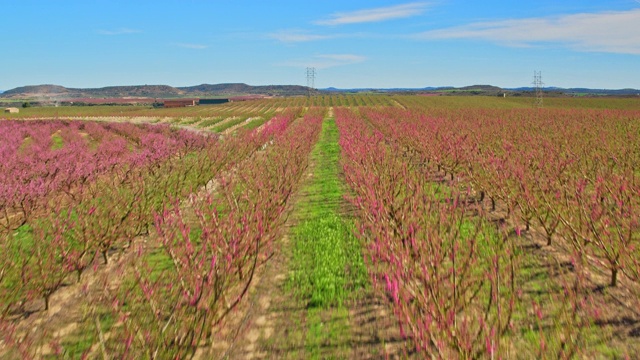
{"x": 351, "y": 44}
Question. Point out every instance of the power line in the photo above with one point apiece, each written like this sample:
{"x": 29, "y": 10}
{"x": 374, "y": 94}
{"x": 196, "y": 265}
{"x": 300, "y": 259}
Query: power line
{"x": 311, "y": 79}
{"x": 537, "y": 84}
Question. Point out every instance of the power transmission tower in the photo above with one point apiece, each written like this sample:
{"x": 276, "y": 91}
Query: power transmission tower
{"x": 537, "y": 84}
{"x": 311, "y": 79}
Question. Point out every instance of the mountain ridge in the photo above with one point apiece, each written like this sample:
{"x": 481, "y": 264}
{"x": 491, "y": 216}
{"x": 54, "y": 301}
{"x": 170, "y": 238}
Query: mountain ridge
{"x": 57, "y": 92}
{"x": 50, "y": 92}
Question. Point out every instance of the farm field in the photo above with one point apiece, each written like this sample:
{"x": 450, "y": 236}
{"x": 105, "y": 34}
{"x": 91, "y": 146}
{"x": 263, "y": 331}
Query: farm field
{"x": 265, "y": 106}
{"x": 360, "y": 226}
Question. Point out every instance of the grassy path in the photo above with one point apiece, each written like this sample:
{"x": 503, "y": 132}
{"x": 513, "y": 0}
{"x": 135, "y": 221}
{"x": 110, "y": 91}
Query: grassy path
{"x": 313, "y": 300}
{"x": 327, "y": 272}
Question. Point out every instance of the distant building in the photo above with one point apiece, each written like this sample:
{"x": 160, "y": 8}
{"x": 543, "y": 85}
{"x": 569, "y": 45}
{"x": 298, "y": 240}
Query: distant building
{"x": 12, "y": 110}
{"x": 213, "y": 101}
{"x": 174, "y": 103}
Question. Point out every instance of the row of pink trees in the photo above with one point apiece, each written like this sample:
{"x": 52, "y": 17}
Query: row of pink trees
{"x": 572, "y": 173}
{"x": 212, "y": 248}
{"x": 105, "y": 214}
{"x": 105, "y": 207}
{"x": 449, "y": 276}
{"x": 37, "y": 171}
{"x": 420, "y": 181}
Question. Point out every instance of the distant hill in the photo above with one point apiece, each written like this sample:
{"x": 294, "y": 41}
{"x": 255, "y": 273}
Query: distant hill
{"x": 244, "y": 89}
{"x": 480, "y": 88}
{"x": 383, "y": 90}
{"x": 135, "y": 91}
{"x": 58, "y": 93}
{"x": 475, "y": 89}
{"x": 50, "y": 93}
{"x": 585, "y": 91}
{"x": 490, "y": 90}
{"x": 53, "y": 90}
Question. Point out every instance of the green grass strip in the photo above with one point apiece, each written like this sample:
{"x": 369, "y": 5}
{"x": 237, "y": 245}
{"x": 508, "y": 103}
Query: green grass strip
{"x": 228, "y": 124}
{"x": 327, "y": 269}
{"x": 327, "y": 265}
{"x": 255, "y": 123}
{"x": 328, "y": 334}
{"x": 57, "y": 142}
{"x": 210, "y": 122}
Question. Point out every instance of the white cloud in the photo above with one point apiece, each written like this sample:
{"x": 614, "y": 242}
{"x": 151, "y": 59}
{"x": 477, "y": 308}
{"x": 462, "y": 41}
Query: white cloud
{"x": 120, "y": 31}
{"x": 192, "y": 46}
{"x": 293, "y": 36}
{"x": 375, "y": 15}
{"x": 612, "y": 31}
{"x": 348, "y": 58}
{"x": 326, "y": 61}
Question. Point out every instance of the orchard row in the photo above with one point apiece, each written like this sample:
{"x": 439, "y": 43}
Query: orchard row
{"x": 429, "y": 185}
{"x": 208, "y": 245}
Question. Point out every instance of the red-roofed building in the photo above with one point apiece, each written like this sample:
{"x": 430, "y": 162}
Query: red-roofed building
{"x": 174, "y": 103}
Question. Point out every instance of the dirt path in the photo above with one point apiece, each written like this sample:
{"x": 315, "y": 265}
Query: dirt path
{"x": 271, "y": 323}
{"x": 398, "y": 104}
